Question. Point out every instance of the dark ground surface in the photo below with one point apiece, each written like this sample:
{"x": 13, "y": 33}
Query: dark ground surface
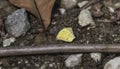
{"x": 103, "y": 33}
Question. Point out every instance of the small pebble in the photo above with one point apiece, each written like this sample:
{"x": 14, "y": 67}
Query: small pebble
{"x": 113, "y": 63}
{"x": 68, "y": 4}
{"x": 73, "y": 60}
{"x": 111, "y": 9}
{"x": 117, "y": 5}
{"x": 51, "y": 65}
{"x": 37, "y": 65}
{"x": 85, "y": 18}
{"x": 26, "y": 62}
{"x": 15, "y": 68}
{"x": 43, "y": 66}
{"x": 96, "y": 56}
{"x": 62, "y": 11}
{"x": 7, "y": 42}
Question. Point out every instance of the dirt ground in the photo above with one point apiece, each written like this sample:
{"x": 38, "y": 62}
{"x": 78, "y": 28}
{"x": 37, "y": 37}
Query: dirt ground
{"x": 103, "y": 33}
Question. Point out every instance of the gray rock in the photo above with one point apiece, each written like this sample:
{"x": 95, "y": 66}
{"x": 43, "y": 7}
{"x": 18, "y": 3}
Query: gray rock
{"x": 17, "y": 23}
{"x": 113, "y": 63}
{"x": 85, "y": 18}
{"x": 73, "y": 60}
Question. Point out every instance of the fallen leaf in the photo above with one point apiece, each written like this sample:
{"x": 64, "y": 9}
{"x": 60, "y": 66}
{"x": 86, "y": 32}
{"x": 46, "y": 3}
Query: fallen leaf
{"x": 39, "y": 8}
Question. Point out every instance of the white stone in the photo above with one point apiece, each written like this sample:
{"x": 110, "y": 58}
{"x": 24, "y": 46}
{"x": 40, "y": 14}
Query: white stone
{"x": 73, "y": 60}
{"x": 12, "y": 39}
{"x": 111, "y": 9}
{"x": 85, "y": 18}
{"x": 62, "y": 11}
{"x": 96, "y": 56}
{"x": 68, "y": 3}
{"x": 113, "y": 64}
{"x": 7, "y": 42}
{"x": 117, "y": 5}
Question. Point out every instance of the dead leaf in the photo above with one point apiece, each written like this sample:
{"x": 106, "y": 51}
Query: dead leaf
{"x": 37, "y": 7}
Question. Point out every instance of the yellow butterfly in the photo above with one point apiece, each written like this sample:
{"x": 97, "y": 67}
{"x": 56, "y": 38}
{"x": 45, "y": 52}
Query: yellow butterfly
{"x": 66, "y": 34}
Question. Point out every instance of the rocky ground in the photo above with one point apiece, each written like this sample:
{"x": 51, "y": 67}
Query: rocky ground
{"x": 30, "y": 33}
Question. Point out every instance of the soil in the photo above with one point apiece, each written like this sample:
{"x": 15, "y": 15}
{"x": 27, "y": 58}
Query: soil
{"x": 103, "y": 33}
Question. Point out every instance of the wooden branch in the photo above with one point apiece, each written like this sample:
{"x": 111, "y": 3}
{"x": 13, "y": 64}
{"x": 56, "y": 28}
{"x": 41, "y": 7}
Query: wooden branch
{"x": 57, "y": 49}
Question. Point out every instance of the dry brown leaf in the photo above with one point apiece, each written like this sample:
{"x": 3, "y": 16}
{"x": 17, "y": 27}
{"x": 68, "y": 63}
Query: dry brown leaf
{"x": 42, "y": 7}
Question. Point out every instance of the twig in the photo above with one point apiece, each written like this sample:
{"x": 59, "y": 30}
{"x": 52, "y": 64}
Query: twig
{"x": 56, "y": 49}
{"x": 91, "y": 2}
